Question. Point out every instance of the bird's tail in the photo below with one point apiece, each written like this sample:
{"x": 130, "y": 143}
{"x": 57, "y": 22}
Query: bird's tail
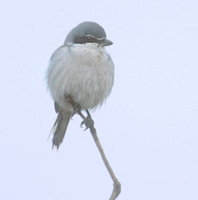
{"x": 59, "y": 128}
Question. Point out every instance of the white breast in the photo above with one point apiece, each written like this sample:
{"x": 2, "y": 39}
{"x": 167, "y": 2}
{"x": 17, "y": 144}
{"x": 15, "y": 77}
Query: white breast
{"x": 85, "y": 72}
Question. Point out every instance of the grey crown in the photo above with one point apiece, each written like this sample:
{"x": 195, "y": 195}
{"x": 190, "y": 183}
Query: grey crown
{"x": 87, "y": 32}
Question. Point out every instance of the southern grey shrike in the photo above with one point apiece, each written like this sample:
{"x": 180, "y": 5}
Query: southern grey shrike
{"x": 81, "y": 69}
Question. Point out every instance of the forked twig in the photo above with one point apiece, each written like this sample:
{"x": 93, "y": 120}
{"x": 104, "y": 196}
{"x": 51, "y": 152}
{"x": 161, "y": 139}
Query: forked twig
{"x": 89, "y": 123}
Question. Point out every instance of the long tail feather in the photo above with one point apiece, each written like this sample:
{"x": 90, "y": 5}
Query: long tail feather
{"x": 59, "y": 128}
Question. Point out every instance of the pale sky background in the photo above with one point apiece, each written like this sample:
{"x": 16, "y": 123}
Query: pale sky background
{"x": 148, "y": 126}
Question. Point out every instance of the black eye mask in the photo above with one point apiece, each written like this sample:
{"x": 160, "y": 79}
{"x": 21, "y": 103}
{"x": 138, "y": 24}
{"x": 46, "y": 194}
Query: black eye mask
{"x": 85, "y": 39}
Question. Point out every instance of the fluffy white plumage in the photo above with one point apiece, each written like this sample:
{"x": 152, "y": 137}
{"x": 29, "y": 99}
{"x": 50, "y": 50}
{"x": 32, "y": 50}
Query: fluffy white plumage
{"x": 83, "y": 71}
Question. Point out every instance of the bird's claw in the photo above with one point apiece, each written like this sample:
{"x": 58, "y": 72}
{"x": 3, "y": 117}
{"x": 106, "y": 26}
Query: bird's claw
{"x": 88, "y": 122}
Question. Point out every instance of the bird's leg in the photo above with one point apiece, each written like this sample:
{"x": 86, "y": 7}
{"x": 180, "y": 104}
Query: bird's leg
{"x": 75, "y": 105}
{"x": 88, "y": 121}
{"x": 76, "y": 108}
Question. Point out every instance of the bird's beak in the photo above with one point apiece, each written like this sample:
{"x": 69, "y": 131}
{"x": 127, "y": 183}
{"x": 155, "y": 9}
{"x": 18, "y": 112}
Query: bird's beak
{"x": 106, "y": 42}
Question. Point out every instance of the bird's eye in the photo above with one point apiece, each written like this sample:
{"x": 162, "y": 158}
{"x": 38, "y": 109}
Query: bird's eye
{"x": 89, "y": 37}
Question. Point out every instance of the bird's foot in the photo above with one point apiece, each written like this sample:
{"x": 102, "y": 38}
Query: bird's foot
{"x": 88, "y": 121}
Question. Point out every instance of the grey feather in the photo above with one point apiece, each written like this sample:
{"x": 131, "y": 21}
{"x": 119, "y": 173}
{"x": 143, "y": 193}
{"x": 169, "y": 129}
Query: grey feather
{"x": 59, "y": 128}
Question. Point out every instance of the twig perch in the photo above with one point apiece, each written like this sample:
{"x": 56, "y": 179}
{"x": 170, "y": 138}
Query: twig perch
{"x": 89, "y": 123}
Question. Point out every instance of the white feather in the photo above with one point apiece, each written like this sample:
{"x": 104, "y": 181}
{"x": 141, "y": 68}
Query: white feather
{"x": 83, "y": 71}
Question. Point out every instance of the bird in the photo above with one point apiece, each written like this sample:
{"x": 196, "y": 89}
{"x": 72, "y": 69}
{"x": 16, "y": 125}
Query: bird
{"x": 80, "y": 69}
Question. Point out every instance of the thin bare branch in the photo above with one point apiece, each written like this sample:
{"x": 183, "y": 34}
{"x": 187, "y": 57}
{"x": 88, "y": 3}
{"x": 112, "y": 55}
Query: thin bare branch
{"x": 89, "y": 123}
